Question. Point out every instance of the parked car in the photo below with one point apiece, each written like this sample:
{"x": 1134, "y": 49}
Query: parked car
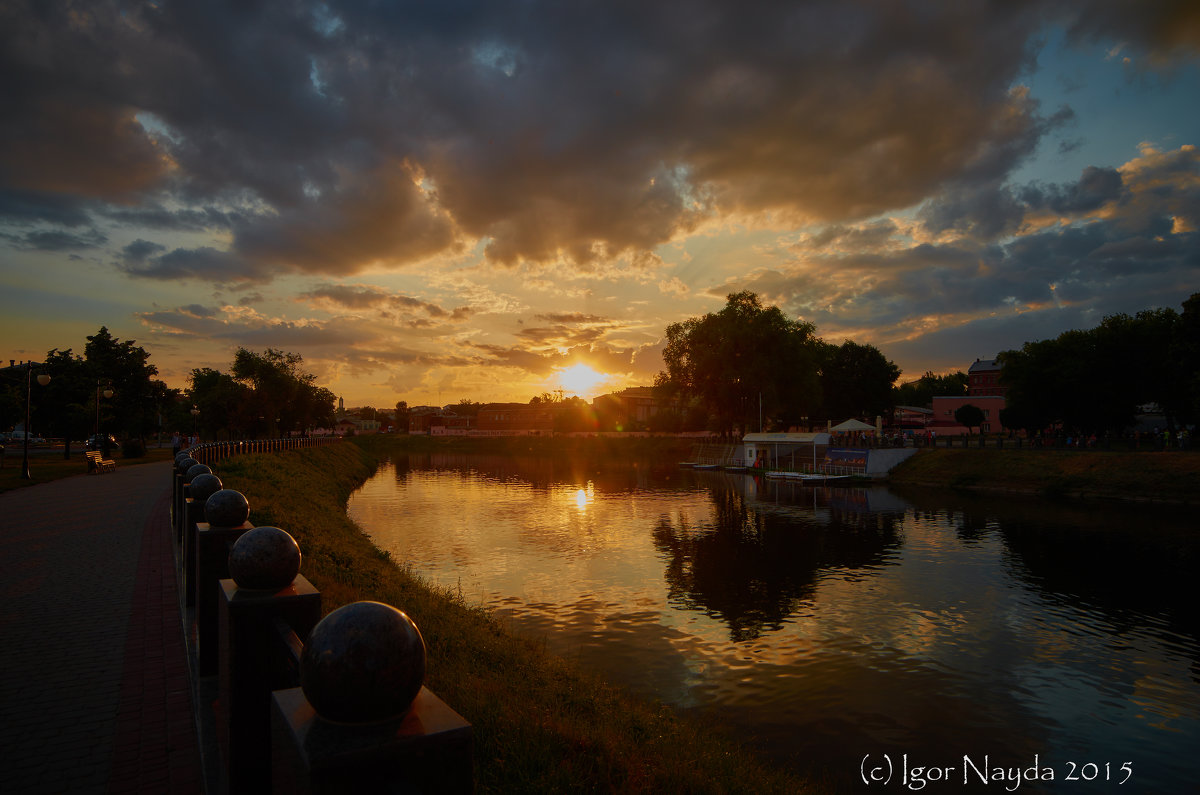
{"x": 19, "y": 436}
{"x": 97, "y": 441}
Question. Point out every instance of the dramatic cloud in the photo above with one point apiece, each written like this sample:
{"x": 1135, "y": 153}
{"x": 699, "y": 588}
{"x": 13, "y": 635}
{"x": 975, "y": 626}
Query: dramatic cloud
{"x": 473, "y": 194}
{"x": 349, "y": 136}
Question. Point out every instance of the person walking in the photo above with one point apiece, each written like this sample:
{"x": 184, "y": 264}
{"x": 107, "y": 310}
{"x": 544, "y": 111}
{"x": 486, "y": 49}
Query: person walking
{"x": 176, "y": 443}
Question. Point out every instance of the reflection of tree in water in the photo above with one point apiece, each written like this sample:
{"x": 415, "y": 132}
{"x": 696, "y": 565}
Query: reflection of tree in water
{"x": 753, "y": 568}
{"x": 1127, "y": 562}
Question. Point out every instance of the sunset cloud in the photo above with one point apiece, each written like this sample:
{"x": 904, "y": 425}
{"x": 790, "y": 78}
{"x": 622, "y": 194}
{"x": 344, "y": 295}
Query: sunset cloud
{"x": 405, "y": 189}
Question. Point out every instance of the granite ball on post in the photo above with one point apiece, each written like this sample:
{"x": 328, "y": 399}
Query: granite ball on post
{"x": 264, "y": 559}
{"x": 195, "y": 471}
{"x": 184, "y": 464}
{"x": 226, "y": 508}
{"x": 204, "y": 486}
{"x": 363, "y": 663}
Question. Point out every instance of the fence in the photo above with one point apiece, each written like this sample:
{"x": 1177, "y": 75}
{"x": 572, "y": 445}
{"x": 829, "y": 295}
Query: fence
{"x": 288, "y": 701}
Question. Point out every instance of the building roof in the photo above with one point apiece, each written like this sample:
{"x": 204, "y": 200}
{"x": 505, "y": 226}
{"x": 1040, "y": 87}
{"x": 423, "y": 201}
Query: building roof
{"x": 981, "y": 365}
{"x": 787, "y": 438}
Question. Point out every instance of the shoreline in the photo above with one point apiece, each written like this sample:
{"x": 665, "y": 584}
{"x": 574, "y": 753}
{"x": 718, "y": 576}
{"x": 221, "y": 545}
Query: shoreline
{"x": 540, "y": 722}
{"x": 1166, "y": 477}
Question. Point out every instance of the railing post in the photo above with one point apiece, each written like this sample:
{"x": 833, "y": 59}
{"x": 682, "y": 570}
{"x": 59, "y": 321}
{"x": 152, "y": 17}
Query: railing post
{"x": 362, "y": 721}
{"x": 226, "y": 512}
{"x": 265, "y": 587}
{"x": 183, "y": 462}
{"x": 199, "y": 490}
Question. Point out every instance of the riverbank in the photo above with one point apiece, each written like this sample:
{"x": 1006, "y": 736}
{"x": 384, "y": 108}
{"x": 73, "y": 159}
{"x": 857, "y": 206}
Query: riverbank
{"x": 540, "y": 723}
{"x": 1167, "y": 476}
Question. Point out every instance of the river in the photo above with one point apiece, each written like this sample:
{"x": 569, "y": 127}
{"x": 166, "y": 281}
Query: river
{"x": 852, "y": 633}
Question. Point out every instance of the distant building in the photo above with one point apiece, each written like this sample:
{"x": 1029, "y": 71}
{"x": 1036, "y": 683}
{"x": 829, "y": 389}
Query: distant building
{"x": 984, "y": 391}
{"x": 515, "y": 418}
{"x": 635, "y": 405}
{"x": 983, "y": 378}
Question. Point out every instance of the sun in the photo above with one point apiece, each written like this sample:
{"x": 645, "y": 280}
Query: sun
{"x": 580, "y": 379}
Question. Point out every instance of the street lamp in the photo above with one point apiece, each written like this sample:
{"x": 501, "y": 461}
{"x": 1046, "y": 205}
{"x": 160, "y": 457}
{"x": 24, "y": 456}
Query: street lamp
{"x": 195, "y": 422}
{"x": 107, "y": 392}
{"x": 42, "y": 379}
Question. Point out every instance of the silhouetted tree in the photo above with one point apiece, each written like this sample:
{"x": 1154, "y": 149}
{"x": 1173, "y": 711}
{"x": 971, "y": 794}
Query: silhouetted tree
{"x": 921, "y": 392}
{"x": 857, "y": 381}
{"x": 969, "y": 415}
{"x": 735, "y": 358}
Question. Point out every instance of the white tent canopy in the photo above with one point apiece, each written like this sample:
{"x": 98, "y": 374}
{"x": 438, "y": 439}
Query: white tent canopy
{"x": 852, "y": 425}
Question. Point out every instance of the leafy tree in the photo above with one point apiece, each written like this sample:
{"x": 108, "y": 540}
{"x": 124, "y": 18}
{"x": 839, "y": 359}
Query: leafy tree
{"x": 1092, "y": 381}
{"x": 282, "y": 393}
{"x": 738, "y": 357}
{"x": 401, "y": 416}
{"x": 969, "y": 415}
{"x": 63, "y": 402}
{"x": 467, "y": 408}
{"x": 857, "y": 380}
{"x": 221, "y": 401}
{"x": 1184, "y": 364}
{"x": 126, "y": 368}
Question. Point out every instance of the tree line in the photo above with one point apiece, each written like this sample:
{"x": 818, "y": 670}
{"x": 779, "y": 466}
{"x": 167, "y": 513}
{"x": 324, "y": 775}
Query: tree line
{"x": 1093, "y": 381}
{"x": 748, "y": 367}
{"x": 112, "y": 388}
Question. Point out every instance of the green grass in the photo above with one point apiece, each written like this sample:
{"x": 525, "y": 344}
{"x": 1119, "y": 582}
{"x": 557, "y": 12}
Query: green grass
{"x": 47, "y": 466}
{"x": 1167, "y": 476}
{"x": 541, "y": 724}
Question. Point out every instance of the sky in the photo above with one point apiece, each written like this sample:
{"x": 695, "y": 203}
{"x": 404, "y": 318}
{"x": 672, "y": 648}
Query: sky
{"x": 487, "y": 201}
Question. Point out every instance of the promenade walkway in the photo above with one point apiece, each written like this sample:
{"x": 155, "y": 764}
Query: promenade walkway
{"x": 94, "y": 687}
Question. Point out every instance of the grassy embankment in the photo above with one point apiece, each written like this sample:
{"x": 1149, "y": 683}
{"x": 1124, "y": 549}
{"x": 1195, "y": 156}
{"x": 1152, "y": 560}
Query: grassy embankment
{"x": 1168, "y": 476}
{"x": 540, "y": 723}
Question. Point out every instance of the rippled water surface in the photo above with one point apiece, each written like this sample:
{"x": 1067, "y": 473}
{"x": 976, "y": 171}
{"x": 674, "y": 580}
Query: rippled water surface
{"x": 837, "y": 625}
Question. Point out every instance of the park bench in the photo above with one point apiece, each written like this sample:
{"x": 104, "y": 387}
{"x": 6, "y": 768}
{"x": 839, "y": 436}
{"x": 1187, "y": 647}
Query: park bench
{"x": 96, "y": 462}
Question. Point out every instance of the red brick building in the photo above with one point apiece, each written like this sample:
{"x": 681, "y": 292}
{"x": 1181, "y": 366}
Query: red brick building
{"x": 983, "y": 378}
{"x": 514, "y": 418}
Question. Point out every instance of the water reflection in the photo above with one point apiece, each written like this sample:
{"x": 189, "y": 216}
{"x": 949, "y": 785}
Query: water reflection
{"x": 826, "y": 624}
{"x": 753, "y": 567}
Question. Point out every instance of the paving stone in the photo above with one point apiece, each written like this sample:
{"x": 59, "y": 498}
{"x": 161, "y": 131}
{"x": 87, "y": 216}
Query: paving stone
{"x": 95, "y": 695}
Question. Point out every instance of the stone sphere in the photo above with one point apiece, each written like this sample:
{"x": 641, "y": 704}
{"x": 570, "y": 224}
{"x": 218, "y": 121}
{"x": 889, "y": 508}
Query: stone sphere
{"x": 185, "y": 464}
{"x": 363, "y": 663}
{"x": 181, "y": 455}
{"x": 226, "y": 508}
{"x": 204, "y": 486}
{"x": 195, "y": 471}
{"x": 264, "y": 559}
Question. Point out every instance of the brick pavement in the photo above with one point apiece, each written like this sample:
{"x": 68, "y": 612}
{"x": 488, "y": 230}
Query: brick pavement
{"x": 94, "y": 692}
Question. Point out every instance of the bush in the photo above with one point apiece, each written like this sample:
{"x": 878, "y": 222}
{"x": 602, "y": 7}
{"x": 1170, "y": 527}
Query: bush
{"x": 133, "y": 448}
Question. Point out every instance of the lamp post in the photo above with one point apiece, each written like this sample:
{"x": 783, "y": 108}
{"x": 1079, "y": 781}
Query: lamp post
{"x": 107, "y": 392}
{"x": 195, "y": 422}
{"x": 42, "y": 380}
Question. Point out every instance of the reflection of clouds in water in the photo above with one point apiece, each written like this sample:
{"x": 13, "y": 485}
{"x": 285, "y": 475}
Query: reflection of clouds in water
{"x": 630, "y": 648}
{"x": 819, "y": 627}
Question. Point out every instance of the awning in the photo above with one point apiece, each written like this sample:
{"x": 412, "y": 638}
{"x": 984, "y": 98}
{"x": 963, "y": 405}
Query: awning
{"x": 853, "y": 425}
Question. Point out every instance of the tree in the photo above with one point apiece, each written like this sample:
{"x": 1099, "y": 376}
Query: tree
{"x": 921, "y": 392}
{"x": 126, "y": 368}
{"x": 220, "y": 400}
{"x": 283, "y": 396}
{"x": 401, "y": 416}
{"x": 739, "y": 359}
{"x": 1092, "y": 381}
{"x": 63, "y": 402}
{"x": 969, "y": 415}
{"x": 857, "y": 381}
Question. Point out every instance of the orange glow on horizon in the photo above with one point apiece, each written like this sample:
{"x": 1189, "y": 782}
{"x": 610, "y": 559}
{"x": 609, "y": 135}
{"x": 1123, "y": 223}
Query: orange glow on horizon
{"x": 581, "y": 379}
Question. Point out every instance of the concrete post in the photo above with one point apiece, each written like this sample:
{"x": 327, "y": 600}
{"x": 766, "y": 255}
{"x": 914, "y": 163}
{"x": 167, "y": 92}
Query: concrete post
{"x": 249, "y": 671}
{"x": 426, "y": 750}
